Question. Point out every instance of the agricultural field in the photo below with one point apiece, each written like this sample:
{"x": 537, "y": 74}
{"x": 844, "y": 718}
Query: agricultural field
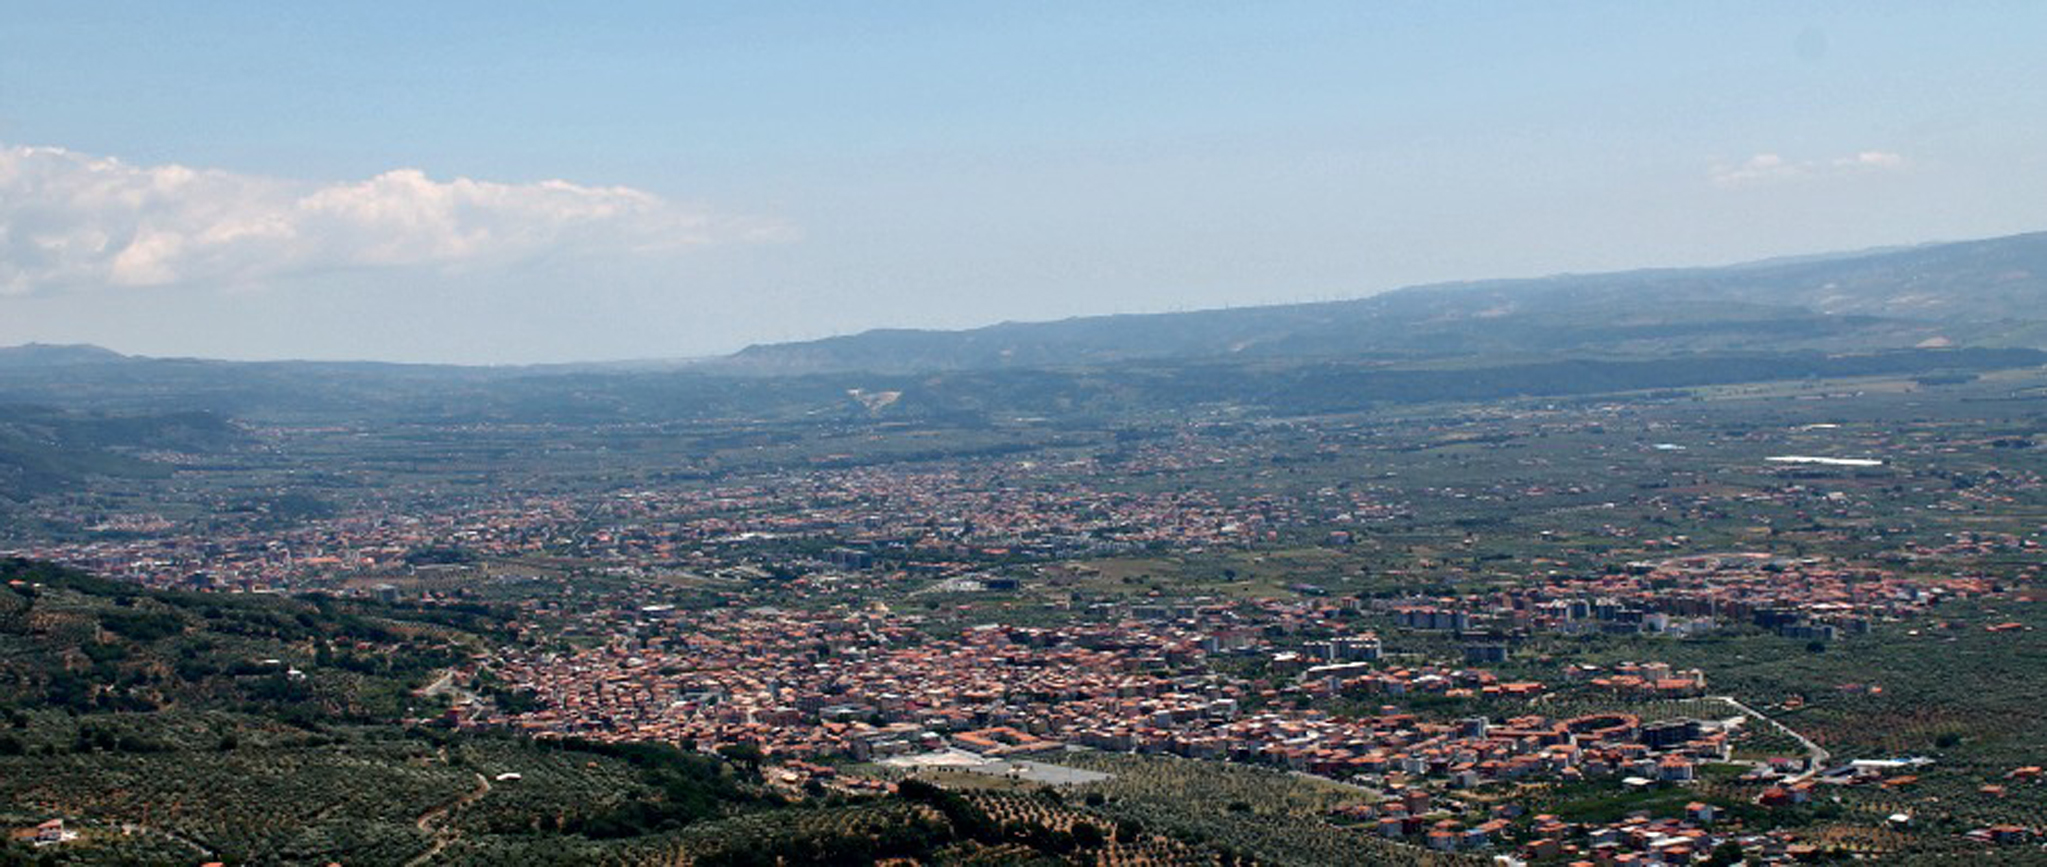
{"x": 359, "y": 697}
{"x": 1268, "y": 815}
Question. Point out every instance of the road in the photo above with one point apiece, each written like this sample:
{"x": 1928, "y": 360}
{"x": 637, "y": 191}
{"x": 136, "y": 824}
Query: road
{"x": 1816, "y": 755}
{"x": 442, "y": 837}
{"x": 446, "y": 684}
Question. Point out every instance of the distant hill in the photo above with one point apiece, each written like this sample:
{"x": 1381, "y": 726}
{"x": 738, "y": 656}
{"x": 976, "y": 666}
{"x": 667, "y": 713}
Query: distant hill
{"x": 1939, "y": 310}
{"x": 43, "y": 449}
{"x": 53, "y": 355}
{"x": 1990, "y": 292}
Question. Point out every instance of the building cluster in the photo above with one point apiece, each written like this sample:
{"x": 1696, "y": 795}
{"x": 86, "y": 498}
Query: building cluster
{"x": 855, "y": 518}
{"x": 869, "y": 684}
{"x": 1809, "y": 598}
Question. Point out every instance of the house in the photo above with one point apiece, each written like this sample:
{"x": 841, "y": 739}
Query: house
{"x": 1475, "y": 838}
{"x": 2008, "y": 834}
{"x": 1442, "y": 840}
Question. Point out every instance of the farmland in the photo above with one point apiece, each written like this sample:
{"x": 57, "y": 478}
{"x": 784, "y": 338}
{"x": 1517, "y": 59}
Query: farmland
{"x": 1434, "y": 631}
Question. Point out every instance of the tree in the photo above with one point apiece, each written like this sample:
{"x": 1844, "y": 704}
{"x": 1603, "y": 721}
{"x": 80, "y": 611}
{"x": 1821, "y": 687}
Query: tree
{"x": 743, "y": 754}
{"x": 1087, "y": 836}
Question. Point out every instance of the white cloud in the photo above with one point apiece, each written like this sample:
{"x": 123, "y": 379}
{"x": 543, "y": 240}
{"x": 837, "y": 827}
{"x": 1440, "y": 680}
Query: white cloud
{"x": 74, "y": 220}
{"x": 1768, "y": 167}
{"x": 1755, "y": 168}
{"x": 1871, "y": 160}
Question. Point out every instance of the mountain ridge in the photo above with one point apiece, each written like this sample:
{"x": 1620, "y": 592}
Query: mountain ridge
{"x": 56, "y": 354}
{"x": 1984, "y": 291}
{"x": 1886, "y": 298}
{"x": 1941, "y": 311}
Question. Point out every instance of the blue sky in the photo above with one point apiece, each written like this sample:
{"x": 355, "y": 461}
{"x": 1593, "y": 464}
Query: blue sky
{"x": 495, "y": 182}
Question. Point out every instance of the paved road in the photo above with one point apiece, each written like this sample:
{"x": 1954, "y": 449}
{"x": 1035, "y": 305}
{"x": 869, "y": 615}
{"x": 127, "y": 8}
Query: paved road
{"x": 446, "y": 684}
{"x": 1817, "y": 755}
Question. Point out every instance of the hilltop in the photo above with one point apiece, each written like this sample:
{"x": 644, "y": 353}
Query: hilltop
{"x": 1944, "y": 312}
{"x": 53, "y": 355}
{"x": 1986, "y": 292}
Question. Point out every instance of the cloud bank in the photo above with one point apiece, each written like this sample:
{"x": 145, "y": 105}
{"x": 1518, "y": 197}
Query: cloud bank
{"x": 70, "y": 220}
{"x": 1765, "y": 168}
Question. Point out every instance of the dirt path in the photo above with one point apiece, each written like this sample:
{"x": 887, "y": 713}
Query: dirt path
{"x": 442, "y": 836}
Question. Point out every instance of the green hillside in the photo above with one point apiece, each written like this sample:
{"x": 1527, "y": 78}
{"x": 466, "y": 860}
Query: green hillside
{"x": 179, "y": 728}
{"x": 176, "y": 727}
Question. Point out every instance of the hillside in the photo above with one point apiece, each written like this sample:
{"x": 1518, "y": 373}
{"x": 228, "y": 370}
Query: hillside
{"x": 1938, "y": 310}
{"x": 55, "y": 355}
{"x": 170, "y": 727}
{"x": 43, "y": 449}
{"x": 1985, "y": 292}
{"x": 266, "y": 730}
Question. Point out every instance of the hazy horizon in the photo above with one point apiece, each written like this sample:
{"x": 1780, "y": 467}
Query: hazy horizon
{"x": 685, "y": 359}
{"x": 464, "y": 183}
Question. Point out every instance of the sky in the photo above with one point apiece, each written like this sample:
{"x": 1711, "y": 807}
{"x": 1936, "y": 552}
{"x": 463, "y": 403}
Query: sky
{"x": 505, "y": 183}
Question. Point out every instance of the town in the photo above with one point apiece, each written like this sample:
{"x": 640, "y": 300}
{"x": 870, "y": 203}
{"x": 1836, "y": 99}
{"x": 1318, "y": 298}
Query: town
{"x": 1293, "y": 601}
